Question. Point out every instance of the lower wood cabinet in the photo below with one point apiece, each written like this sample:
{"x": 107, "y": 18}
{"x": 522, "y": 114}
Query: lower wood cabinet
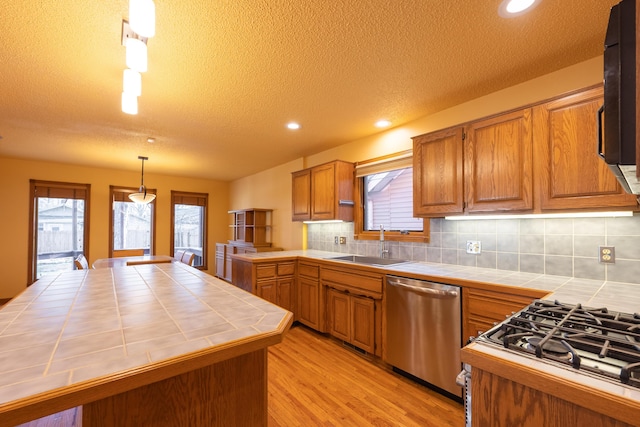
{"x": 275, "y": 283}
{"x": 351, "y": 318}
{"x": 308, "y": 310}
{"x": 481, "y": 308}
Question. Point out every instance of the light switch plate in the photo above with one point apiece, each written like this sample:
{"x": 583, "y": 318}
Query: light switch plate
{"x": 607, "y": 254}
{"x": 474, "y": 247}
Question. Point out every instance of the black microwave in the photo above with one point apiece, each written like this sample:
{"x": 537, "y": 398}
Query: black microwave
{"x": 617, "y": 138}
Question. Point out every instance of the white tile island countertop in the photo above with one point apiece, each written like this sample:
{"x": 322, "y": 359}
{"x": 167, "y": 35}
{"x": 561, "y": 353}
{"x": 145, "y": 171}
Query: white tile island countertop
{"x": 91, "y": 337}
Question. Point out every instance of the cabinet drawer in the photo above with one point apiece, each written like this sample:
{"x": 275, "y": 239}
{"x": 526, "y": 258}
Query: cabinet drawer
{"x": 286, "y": 269}
{"x": 265, "y": 271}
{"x": 371, "y": 283}
{"x": 308, "y": 270}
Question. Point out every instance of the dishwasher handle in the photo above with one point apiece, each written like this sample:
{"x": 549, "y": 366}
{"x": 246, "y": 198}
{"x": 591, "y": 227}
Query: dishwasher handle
{"x": 436, "y": 293}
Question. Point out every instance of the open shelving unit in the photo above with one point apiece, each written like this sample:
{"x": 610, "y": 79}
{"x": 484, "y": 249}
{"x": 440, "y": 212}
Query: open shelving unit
{"x": 251, "y": 227}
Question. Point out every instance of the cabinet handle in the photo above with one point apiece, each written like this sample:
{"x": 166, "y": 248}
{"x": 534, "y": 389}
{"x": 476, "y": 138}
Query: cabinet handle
{"x": 346, "y": 202}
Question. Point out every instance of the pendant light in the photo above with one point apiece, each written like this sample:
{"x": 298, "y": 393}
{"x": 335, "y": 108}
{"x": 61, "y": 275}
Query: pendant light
{"x": 142, "y": 197}
{"x": 142, "y": 17}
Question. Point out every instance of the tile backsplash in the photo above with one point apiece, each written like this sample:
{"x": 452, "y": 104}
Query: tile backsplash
{"x": 561, "y": 247}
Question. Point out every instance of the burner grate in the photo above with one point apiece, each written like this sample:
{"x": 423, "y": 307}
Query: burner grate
{"x": 593, "y": 339}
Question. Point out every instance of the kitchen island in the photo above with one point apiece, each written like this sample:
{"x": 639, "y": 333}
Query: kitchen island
{"x": 157, "y": 344}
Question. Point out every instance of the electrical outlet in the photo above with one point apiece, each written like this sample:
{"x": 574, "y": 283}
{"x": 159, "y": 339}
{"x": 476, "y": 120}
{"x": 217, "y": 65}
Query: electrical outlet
{"x": 607, "y": 254}
{"x": 474, "y": 247}
{"x": 343, "y": 240}
{"x": 335, "y": 240}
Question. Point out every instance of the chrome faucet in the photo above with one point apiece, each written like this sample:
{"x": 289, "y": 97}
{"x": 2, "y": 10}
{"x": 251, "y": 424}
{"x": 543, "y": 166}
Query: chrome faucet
{"x": 382, "y": 245}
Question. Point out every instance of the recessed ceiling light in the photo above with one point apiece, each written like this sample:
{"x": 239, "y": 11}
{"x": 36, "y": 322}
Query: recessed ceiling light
{"x": 293, "y": 125}
{"x": 513, "y": 8}
{"x": 151, "y": 140}
{"x": 383, "y": 123}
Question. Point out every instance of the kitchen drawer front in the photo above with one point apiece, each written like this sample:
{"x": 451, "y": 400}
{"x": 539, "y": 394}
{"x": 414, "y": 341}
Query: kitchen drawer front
{"x": 309, "y": 270}
{"x": 265, "y": 271}
{"x": 286, "y": 268}
{"x": 360, "y": 280}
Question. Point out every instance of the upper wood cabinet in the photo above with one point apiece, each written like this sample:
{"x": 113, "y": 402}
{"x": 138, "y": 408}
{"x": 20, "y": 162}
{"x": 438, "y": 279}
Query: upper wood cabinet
{"x": 498, "y": 163}
{"x": 323, "y": 192}
{"x": 538, "y": 159}
{"x": 485, "y": 166}
{"x": 570, "y": 175}
{"x": 437, "y": 173}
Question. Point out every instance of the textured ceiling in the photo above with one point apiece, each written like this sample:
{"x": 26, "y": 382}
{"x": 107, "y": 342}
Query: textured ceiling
{"x": 225, "y": 76}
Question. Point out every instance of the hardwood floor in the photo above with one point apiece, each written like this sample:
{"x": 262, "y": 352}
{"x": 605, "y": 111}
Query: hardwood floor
{"x": 314, "y": 381}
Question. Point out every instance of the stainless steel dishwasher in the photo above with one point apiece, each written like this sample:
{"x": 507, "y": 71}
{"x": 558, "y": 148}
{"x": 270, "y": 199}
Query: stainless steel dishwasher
{"x": 423, "y": 333}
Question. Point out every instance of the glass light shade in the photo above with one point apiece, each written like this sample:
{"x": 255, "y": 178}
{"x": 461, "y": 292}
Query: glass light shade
{"x": 142, "y": 17}
{"x": 136, "y": 55}
{"x": 132, "y": 82}
{"x": 129, "y": 103}
{"x": 142, "y": 196}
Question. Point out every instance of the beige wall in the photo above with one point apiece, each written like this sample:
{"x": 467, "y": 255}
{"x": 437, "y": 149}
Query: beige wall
{"x": 14, "y": 212}
{"x": 252, "y": 191}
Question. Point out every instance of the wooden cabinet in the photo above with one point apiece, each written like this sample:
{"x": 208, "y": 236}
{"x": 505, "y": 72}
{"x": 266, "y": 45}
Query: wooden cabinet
{"x": 499, "y": 163}
{"x": 309, "y": 296}
{"x": 354, "y": 306}
{"x": 570, "y": 175}
{"x": 537, "y": 159}
{"x": 251, "y": 227}
{"x": 482, "y": 309}
{"x": 323, "y": 192}
{"x": 437, "y": 173}
{"x": 275, "y": 283}
{"x": 486, "y": 166}
{"x": 351, "y": 318}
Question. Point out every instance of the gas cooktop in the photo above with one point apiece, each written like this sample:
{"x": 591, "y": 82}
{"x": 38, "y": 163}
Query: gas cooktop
{"x": 595, "y": 340}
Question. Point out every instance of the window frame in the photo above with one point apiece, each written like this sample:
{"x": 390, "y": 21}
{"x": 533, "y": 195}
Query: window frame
{"x": 359, "y": 232}
{"x": 125, "y": 191}
{"x": 194, "y": 199}
{"x": 54, "y": 189}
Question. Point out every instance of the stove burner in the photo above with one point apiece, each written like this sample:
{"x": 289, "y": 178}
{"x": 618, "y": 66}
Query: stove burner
{"x": 596, "y": 340}
{"x": 553, "y": 346}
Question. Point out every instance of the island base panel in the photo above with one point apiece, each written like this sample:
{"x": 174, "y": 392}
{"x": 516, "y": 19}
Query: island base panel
{"x": 231, "y": 392}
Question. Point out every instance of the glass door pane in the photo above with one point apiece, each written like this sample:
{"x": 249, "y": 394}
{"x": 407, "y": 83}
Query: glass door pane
{"x": 189, "y": 230}
{"x": 60, "y": 234}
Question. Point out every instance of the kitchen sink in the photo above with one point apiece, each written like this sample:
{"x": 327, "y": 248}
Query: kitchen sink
{"x": 370, "y": 260}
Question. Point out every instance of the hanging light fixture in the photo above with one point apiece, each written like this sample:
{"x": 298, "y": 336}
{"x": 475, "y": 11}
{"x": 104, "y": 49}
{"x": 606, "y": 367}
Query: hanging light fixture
{"x": 142, "y": 197}
{"x": 142, "y": 17}
{"x": 129, "y": 103}
{"x": 136, "y": 56}
{"x": 132, "y": 82}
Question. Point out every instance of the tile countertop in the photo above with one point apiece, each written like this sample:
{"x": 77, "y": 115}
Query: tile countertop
{"x": 616, "y": 296}
{"x": 80, "y": 327}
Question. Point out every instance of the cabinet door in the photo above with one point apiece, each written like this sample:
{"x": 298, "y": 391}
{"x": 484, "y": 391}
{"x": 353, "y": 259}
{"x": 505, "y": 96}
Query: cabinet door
{"x": 323, "y": 194}
{"x": 308, "y": 293}
{"x": 268, "y": 290}
{"x": 570, "y": 173}
{"x": 437, "y": 173}
{"x": 339, "y": 314}
{"x": 362, "y": 323}
{"x": 286, "y": 293}
{"x": 499, "y": 163}
{"x": 301, "y": 195}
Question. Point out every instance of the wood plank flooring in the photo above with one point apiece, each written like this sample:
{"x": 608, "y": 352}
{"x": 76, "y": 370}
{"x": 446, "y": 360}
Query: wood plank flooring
{"x": 314, "y": 381}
